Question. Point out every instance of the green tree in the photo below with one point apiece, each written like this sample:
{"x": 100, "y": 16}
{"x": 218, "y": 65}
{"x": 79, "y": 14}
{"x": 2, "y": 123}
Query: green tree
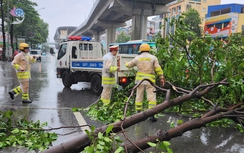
{"x": 33, "y": 29}
{"x": 204, "y": 60}
{"x": 39, "y": 36}
{"x": 192, "y": 20}
{"x": 122, "y": 38}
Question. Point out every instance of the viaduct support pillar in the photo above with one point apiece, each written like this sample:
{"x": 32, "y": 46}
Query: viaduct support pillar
{"x": 139, "y": 27}
{"x": 111, "y": 33}
{"x": 97, "y": 36}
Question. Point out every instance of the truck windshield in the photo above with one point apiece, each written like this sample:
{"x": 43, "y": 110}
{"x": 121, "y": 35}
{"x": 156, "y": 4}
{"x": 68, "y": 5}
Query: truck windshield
{"x": 132, "y": 47}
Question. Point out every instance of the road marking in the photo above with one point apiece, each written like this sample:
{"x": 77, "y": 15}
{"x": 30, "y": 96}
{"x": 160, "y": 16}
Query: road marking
{"x": 81, "y": 121}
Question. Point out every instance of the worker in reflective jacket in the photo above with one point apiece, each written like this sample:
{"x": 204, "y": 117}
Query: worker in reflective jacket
{"x": 148, "y": 66}
{"x": 21, "y": 63}
{"x": 108, "y": 74}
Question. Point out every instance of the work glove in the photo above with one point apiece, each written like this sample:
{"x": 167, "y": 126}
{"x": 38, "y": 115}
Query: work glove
{"x": 162, "y": 80}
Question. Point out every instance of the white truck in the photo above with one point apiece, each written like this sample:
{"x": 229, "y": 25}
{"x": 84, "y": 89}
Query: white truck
{"x": 81, "y": 61}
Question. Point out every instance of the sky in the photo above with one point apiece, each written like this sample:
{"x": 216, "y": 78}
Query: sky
{"x": 72, "y": 12}
{"x": 59, "y": 13}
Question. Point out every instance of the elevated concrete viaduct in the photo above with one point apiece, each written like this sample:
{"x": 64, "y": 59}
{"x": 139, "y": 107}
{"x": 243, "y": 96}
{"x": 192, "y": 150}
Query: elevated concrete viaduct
{"x": 107, "y": 15}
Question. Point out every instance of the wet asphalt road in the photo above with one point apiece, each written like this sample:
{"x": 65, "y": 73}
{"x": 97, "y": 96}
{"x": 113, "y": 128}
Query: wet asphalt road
{"x": 52, "y": 103}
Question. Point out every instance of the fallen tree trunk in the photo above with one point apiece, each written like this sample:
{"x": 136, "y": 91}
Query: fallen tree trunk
{"x": 79, "y": 143}
{"x": 166, "y": 135}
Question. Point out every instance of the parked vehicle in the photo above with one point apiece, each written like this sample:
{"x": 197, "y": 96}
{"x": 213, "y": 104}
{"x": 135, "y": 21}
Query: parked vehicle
{"x": 132, "y": 47}
{"x": 37, "y": 54}
{"x": 80, "y": 60}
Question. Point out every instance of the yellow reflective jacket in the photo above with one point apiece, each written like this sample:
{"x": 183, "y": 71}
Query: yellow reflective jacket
{"x": 147, "y": 65}
{"x": 22, "y": 61}
{"x": 109, "y": 69}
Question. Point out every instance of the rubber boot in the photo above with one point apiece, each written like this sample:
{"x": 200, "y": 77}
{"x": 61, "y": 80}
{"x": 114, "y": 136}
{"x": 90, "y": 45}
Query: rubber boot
{"x": 14, "y": 92}
{"x": 25, "y": 98}
{"x": 153, "y": 119}
{"x": 26, "y": 101}
{"x": 11, "y": 94}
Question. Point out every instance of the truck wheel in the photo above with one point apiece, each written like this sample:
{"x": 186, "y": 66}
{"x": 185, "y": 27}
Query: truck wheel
{"x": 66, "y": 79}
{"x": 96, "y": 86}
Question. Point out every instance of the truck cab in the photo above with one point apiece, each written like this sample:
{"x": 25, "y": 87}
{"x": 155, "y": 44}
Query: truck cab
{"x": 80, "y": 60}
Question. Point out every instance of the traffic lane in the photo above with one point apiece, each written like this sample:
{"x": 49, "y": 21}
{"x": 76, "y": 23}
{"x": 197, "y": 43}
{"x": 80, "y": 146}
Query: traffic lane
{"x": 7, "y": 74}
{"x": 52, "y": 103}
{"x": 48, "y": 91}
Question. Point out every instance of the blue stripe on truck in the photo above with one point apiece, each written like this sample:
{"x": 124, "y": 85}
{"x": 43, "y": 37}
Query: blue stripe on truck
{"x": 87, "y": 64}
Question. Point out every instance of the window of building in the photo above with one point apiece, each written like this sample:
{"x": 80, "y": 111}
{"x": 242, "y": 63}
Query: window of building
{"x": 173, "y": 11}
{"x": 210, "y": 25}
{"x": 219, "y": 12}
{"x": 226, "y": 24}
{"x": 225, "y": 11}
{"x": 215, "y": 13}
{"x": 179, "y": 9}
{"x": 218, "y": 25}
{"x": 167, "y": 26}
{"x": 204, "y": 10}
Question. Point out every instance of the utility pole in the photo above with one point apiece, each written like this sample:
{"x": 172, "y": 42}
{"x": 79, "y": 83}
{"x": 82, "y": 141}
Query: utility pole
{"x": 3, "y": 33}
{"x": 12, "y": 33}
{"x": 9, "y": 50}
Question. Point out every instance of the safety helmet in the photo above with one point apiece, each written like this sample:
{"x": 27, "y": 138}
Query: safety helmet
{"x": 144, "y": 48}
{"x": 114, "y": 48}
{"x": 23, "y": 46}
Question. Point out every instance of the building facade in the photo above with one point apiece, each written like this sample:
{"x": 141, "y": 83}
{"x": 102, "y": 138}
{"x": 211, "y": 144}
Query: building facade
{"x": 223, "y": 20}
{"x": 178, "y": 7}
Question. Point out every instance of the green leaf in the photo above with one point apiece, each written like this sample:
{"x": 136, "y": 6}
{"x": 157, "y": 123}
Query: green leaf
{"x": 76, "y": 109}
{"x": 166, "y": 143}
{"x": 120, "y": 149}
{"x": 15, "y": 131}
{"x": 93, "y": 128}
{"x": 152, "y": 144}
{"x": 100, "y": 147}
{"x": 180, "y": 122}
{"x": 89, "y": 149}
{"x": 107, "y": 139}
{"x": 109, "y": 129}
{"x": 100, "y": 135}
{"x": 101, "y": 143}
